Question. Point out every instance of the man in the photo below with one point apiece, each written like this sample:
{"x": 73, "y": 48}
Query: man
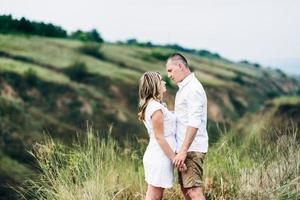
{"x": 191, "y": 134}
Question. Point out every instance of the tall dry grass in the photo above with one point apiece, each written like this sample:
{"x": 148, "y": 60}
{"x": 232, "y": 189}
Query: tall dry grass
{"x": 257, "y": 166}
{"x": 89, "y": 169}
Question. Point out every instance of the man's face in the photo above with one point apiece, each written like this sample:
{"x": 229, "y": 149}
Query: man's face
{"x": 174, "y": 71}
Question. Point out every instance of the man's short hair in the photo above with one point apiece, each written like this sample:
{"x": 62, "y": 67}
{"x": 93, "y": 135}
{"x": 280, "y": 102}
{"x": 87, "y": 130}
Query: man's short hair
{"x": 177, "y": 57}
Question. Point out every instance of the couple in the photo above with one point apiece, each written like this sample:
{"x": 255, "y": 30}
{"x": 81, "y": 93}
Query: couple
{"x": 183, "y": 131}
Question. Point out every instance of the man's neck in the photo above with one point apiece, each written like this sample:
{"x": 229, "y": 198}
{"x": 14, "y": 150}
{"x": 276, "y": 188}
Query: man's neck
{"x": 185, "y": 75}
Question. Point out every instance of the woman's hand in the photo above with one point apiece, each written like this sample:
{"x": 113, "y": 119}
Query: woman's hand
{"x": 182, "y": 168}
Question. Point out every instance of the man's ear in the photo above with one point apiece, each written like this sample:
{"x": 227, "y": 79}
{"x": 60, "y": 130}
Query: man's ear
{"x": 181, "y": 66}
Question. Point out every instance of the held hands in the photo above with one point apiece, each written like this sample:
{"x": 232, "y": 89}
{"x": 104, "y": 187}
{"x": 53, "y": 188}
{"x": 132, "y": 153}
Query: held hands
{"x": 182, "y": 168}
{"x": 178, "y": 161}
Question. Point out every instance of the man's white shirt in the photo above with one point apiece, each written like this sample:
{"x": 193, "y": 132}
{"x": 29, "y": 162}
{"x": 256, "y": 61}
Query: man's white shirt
{"x": 191, "y": 110}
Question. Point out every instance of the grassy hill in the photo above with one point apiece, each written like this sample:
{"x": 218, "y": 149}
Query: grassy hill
{"x": 55, "y": 86}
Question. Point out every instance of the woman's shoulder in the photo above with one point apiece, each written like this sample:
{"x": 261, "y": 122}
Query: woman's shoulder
{"x": 154, "y": 102}
{"x": 152, "y": 106}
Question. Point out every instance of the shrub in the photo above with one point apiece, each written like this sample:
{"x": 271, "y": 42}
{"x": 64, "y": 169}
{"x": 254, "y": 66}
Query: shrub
{"x": 92, "y": 35}
{"x": 77, "y": 71}
{"x": 239, "y": 79}
{"x": 91, "y": 49}
{"x": 272, "y": 94}
{"x": 256, "y": 65}
{"x": 159, "y": 55}
{"x": 132, "y": 41}
{"x": 31, "y": 77}
{"x": 208, "y": 54}
{"x": 246, "y": 62}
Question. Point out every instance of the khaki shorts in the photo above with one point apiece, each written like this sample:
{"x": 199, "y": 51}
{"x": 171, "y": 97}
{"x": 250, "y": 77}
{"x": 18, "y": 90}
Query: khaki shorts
{"x": 193, "y": 176}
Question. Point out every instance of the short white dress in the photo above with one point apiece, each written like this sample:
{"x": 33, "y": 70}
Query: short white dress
{"x": 157, "y": 166}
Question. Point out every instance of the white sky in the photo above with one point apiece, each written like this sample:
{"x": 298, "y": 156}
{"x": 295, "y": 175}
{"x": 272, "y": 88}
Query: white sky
{"x": 264, "y": 31}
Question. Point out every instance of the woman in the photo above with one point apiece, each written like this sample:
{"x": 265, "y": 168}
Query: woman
{"x": 161, "y": 126}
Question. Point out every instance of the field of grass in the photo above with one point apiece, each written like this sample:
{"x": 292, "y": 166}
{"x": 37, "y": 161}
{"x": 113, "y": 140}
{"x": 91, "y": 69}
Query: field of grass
{"x": 8, "y": 65}
{"x": 257, "y": 166}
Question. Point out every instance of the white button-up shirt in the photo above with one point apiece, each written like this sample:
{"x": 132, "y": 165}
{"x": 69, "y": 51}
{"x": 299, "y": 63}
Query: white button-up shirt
{"x": 191, "y": 110}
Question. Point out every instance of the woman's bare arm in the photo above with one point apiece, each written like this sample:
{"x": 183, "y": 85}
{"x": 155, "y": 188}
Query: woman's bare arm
{"x": 158, "y": 128}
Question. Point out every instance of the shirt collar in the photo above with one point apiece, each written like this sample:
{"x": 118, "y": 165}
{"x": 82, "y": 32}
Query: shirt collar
{"x": 186, "y": 80}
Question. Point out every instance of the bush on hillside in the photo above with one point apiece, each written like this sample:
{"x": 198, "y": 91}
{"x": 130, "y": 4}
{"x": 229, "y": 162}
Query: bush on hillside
{"x": 159, "y": 55}
{"x": 93, "y": 36}
{"x": 246, "y": 62}
{"x": 91, "y": 49}
{"x": 132, "y": 41}
{"x": 206, "y": 53}
{"x": 256, "y": 65}
{"x": 272, "y": 94}
{"x": 156, "y": 55}
{"x": 77, "y": 71}
{"x": 31, "y": 77}
{"x": 239, "y": 79}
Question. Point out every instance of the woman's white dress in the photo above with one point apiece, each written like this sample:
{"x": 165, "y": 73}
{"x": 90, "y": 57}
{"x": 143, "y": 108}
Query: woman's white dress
{"x": 157, "y": 166}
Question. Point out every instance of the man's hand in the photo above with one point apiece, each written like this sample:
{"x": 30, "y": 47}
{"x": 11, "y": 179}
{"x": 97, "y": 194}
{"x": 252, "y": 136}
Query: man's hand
{"x": 179, "y": 159}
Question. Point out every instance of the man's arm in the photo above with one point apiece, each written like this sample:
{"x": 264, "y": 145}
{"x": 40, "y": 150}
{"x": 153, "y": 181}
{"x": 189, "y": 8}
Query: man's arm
{"x": 179, "y": 159}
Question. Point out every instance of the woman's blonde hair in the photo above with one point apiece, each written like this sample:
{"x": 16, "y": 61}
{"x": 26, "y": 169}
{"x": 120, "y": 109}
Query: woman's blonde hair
{"x": 149, "y": 88}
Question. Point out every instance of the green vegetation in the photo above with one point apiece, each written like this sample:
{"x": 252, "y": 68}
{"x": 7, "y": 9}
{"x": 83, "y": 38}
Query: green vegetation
{"x": 92, "y": 35}
{"x": 31, "y": 76}
{"x": 25, "y": 26}
{"x": 77, "y": 71}
{"x": 173, "y": 47}
{"x": 91, "y": 168}
{"x": 10, "y": 25}
{"x": 160, "y": 56}
{"x": 92, "y": 49}
{"x": 257, "y": 166}
{"x": 55, "y": 85}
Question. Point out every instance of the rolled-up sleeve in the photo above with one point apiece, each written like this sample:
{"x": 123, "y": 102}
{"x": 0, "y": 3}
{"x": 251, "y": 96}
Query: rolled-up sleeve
{"x": 196, "y": 105}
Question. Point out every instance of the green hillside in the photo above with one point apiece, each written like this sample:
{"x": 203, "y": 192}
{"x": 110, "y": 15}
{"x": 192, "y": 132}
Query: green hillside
{"x": 54, "y": 86}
